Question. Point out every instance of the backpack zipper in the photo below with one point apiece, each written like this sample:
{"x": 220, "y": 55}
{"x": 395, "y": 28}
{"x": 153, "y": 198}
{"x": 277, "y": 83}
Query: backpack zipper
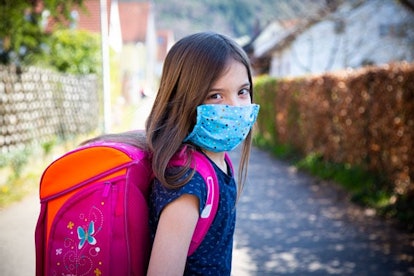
{"x": 90, "y": 180}
{"x": 107, "y": 188}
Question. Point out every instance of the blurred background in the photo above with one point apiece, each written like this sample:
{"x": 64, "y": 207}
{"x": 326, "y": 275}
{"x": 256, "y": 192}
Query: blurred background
{"x": 335, "y": 80}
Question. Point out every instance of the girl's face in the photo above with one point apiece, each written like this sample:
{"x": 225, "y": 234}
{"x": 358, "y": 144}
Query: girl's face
{"x": 232, "y": 87}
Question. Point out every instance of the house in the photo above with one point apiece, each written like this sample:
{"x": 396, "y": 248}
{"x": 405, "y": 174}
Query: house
{"x": 351, "y": 35}
{"x": 144, "y": 48}
{"x": 90, "y": 17}
{"x": 132, "y": 34}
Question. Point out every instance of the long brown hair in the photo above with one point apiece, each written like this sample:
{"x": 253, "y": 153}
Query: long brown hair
{"x": 191, "y": 67}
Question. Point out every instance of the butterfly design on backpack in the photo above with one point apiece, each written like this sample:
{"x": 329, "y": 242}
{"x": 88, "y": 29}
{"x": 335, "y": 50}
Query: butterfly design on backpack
{"x": 86, "y": 236}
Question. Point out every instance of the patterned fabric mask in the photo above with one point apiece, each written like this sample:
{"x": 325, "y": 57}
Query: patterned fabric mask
{"x": 222, "y": 127}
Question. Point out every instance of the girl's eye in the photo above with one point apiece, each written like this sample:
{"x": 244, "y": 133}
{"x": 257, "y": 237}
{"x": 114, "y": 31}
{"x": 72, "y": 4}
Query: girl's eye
{"x": 244, "y": 91}
{"x": 214, "y": 96}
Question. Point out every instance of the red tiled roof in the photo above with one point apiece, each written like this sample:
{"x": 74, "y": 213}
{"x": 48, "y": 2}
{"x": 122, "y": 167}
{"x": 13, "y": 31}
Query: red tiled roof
{"x": 88, "y": 17}
{"x": 91, "y": 18}
{"x": 133, "y": 17}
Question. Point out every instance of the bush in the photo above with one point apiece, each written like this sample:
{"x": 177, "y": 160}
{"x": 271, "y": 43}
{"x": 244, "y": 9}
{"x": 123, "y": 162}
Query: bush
{"x": 16, "y": 159}
{"x": 75, "y": 52}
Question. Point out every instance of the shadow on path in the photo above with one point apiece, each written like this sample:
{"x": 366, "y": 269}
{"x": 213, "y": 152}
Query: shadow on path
{"x": 291, "y": 223}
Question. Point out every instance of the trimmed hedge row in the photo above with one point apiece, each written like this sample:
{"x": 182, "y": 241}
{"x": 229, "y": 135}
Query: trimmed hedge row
{"x": 362, "y": 117}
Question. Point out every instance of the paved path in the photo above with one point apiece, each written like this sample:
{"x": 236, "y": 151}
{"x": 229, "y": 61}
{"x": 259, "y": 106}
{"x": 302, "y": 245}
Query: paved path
{"x": 17, "y": 250}
{"x": 292, "y": 224}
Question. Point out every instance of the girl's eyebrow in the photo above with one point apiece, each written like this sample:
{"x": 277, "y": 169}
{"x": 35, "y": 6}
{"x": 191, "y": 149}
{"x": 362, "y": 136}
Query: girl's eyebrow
{"x": 213, "y": 89}
{"x": 247, "y": 84}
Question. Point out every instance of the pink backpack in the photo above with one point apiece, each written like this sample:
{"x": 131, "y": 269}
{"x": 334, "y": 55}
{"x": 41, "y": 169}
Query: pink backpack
{"x": 94, "y": 211}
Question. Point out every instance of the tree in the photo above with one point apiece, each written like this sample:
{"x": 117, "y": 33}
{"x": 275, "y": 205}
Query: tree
{"x": 23, "y": 32}
{"x": 74, "y": 52}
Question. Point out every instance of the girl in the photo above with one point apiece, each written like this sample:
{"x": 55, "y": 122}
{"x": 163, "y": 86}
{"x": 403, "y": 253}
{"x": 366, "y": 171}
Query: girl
{"x": 204, "y": 104}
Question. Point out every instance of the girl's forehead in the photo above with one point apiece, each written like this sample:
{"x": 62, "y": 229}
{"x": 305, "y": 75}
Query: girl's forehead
{"x": 234, "y": 71}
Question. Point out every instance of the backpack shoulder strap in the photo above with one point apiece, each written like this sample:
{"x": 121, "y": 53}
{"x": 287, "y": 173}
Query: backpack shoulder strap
{"x": 206, "y": 170}
{"x": 204, "y": 167}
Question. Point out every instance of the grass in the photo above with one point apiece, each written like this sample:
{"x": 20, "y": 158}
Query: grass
{"x": 21, "y": 170}
{"x": 366, "y": 188}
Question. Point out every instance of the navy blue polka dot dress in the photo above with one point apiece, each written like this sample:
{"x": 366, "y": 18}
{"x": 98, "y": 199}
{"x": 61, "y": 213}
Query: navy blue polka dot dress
{"x": 213, "y": 256}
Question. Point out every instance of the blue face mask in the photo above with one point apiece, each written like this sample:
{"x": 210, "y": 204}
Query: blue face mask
{"x": 222, "y": 127}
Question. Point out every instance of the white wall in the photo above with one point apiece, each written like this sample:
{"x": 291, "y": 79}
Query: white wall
{"x": 379, "y": 31}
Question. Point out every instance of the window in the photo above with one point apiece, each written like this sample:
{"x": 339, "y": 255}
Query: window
{"x": 393, "y": 30}
{"x": 339, "y": 26}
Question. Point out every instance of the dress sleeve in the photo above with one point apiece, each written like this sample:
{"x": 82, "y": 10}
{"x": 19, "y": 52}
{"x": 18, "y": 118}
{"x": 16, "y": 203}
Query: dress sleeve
{"x": 163, "y": 196}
